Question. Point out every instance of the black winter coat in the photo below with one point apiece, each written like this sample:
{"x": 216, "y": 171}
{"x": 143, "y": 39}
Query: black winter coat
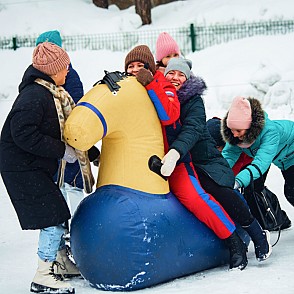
{"x": 30, "y": 147}
{"x": 195, "y": 137}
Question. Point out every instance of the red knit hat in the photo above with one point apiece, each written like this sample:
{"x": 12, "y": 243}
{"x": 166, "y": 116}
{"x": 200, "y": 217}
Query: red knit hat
{"x": 165, "y": 45}
{"x": 50, "y": 58}
{"x": 240, "y": 114}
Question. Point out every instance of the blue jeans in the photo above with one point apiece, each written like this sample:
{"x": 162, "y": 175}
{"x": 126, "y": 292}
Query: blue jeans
{"x": 50, "y": 241}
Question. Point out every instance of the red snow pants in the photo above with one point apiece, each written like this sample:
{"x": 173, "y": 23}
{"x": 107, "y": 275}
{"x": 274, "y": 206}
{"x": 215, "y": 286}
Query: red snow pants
{"x": 185, "y": 185}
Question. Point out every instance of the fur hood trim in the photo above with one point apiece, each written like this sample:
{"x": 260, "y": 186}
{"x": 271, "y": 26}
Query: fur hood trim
{"x": 192, "y": 87}
{"x": 257, "y": 125}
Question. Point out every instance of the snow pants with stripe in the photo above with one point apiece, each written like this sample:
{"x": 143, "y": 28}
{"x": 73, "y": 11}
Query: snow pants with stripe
{"x": 185, "y": 185}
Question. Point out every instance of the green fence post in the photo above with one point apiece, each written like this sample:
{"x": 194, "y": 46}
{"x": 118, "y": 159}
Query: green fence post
{"x": 14, "y": 46}
{"x": 193, "y": 37}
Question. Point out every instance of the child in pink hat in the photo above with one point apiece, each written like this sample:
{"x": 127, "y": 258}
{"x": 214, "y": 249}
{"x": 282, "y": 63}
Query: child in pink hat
{"x": 239, "y": 119}
{"x": 239, "y": 116}
{"x": 166, "y": 48}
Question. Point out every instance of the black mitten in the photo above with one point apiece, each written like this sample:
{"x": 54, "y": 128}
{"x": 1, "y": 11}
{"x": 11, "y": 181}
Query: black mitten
{"x": 144, "y": 76}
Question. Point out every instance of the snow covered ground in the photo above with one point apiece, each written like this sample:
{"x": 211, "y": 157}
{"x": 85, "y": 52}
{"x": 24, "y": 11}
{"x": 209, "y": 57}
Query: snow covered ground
{"x": 258, "y": 66}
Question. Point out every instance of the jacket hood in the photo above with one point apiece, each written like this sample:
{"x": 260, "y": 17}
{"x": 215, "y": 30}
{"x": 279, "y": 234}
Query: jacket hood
{"x": 257, "y": 124}
{"x": 30, "y": 75}
{"x": 192, "y": 87}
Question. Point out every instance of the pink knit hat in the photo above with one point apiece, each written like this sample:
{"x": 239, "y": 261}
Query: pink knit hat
{"x": 165, "y": 45}
{"x": 239, "y": 116}
{"x": 50, "y": 58}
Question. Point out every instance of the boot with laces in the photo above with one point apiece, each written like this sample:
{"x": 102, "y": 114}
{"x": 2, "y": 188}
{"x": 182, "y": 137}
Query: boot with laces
{"x": 238, "y": 249}
{"x": 261, "y": 240}
{"x": 67, "y": 268}
{"x": 45, "y": 281}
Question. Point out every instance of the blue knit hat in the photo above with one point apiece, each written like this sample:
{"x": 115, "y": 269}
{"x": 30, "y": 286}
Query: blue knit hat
{"x": 214, "y": 127}
{"x": 50, "y": 36}
{"x": 180, "y": 64}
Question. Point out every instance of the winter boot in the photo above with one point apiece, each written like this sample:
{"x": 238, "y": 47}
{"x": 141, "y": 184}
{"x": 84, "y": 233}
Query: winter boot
{"x": 66, "y": 268}
{"x": 261, "y": 240}
{"x": 45, "y": 281}
{"x": 238, "y": 249}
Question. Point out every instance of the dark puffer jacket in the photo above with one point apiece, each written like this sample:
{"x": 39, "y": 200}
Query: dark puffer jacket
{"x": 195, "y": 137}
{"x": 30, "y": 147}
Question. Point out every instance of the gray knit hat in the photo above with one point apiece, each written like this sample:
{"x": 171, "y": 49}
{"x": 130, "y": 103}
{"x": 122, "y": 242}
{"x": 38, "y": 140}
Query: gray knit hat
{"x": 180, "y": 64}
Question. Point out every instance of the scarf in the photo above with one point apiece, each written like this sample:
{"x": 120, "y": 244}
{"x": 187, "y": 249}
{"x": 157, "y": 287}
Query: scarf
{"x": 64, "y": 105}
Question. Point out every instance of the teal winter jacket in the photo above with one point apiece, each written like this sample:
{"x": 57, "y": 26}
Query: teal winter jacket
{"x": 270, "y": 141}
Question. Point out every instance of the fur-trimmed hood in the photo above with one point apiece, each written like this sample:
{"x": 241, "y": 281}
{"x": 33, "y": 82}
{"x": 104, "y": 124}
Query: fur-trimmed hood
{"x": 257, "y": 124}
{"x": 192, "y": 87}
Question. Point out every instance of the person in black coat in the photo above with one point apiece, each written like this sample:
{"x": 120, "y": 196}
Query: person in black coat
{"x": 30, "y": 147}
{"x": 214, "y": 172}
{"x": 73, "y": 181}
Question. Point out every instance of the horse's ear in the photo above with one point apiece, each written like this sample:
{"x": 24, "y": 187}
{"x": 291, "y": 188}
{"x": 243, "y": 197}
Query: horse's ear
{"x": 106, "y": 72}
{"x": 98, "y": 82}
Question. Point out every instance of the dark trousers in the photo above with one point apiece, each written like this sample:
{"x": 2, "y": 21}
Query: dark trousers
{"x": 289, "y": 184}
{"x": 234, "y": 205}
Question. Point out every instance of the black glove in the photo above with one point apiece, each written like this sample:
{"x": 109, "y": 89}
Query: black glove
{"x": 144, "y": 76}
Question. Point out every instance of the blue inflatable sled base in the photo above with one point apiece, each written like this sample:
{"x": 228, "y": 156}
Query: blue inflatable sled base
{"x": 124, "y": 240}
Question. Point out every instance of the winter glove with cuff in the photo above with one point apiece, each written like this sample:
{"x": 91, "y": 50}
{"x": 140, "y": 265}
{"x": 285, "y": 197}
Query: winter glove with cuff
{"x": 144, "y": 76}
{"x": 169, "y": 162}
{"x": 70, "y": 155}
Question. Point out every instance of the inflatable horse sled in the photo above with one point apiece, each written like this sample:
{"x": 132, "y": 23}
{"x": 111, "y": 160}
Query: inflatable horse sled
{"x": 132, "y": 233}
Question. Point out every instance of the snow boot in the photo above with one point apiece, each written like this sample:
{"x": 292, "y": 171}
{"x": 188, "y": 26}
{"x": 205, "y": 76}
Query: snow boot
{"x": 261, "y": 240}
{"x": 65, "y": 267}
{"x": 238, "y": 249}
{"x": 45, "y": 281}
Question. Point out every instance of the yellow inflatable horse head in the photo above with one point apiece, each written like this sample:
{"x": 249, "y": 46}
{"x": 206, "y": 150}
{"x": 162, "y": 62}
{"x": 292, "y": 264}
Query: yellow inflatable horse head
{"x": 119, "y": 111}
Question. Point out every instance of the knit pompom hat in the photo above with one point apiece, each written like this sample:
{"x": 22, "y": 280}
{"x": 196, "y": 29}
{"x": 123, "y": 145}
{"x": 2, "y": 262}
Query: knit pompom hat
{"x": 50, "y": 58}
{"x": 142, "y": 54}
{"x": 50, "y": 36}
{"x": 240, "y": 114}
{"x": 180, "y": 64}
{"x": 165, "y": 45}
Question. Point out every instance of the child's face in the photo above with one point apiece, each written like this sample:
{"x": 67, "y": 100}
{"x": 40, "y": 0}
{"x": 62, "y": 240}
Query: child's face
{"x": 177, "y": 78}
{"x": 238, "y": 133}
{"x": 59, "y": 77}
{"x": 166, "y": 59}
{"x": 134, "y": 67}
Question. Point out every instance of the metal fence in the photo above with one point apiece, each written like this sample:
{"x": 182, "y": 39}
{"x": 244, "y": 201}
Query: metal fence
{"x": 190, "y": 39}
